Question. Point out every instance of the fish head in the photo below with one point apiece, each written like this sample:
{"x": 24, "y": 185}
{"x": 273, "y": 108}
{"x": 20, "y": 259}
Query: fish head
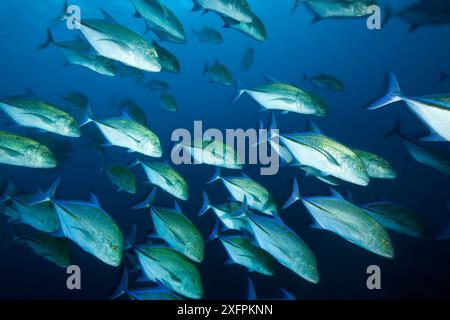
{"x": 110, "y": 250}
{"x": 382, "y": 169}
{"x": 195, "y": 251}
{"x": 193, "y": 287}
{"x": 151, "y": 146}
{"x": 354, "y": 171}
{"x": 149, "y": 60}
{"x": 68, "y": 127}
{"x": 42, "y": 157}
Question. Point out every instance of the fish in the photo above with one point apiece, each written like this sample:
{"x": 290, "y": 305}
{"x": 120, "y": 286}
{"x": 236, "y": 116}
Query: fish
{"x": 242, "y": 251}
{"x": 425, "y": 13}
{"x": 434, "y": 110}
{"x": 421, "y": 153}
{"x": 275, "y": 237}
{"x": 53, "y": 249}
{"x": 160, "y": 17}
{"x": 122, "y": 177}
{"x": 211, "y": 152}
{"x": 171, "y": 268}
{"x": 126, "y": 133}
{"x": 41, "y": 216}
{"x": 207, "y": 34}
{"x": 326, "y": 155}
{"x": 78, "y": 101}
{"x": 337, "y": 215}
{"x": 255, "y": 29}
{"x": 376, "y": 166}
{"x": 162, "y": 175}
{"x": 218, "y": 73}
{"x": 158, "y": 293}
{"x": 248, "y": 58}
{"x": 251, "y": 294}
{"x": 172, "y": 226}
{"x": 126, "y": 71}
{"x": 276, "y": 95}
{"x": 168, "y": 102}
{"x": 114, "y": 41}
{"x": 238, "y": 10}
{"x": 89, "y": 226}
{"x": 396, "y": 218}
{"x": 32, "y": 112}
{"x": 158, "y": 85}
{"x": 20, "y": 151}
{"x": 258, "y": 197}
{"x": 76, "y": 53}
{"x": 325, "y": 81}
{"x": 337, "y": 8}
{"x": 309, "y": 171}
{"x": 227, "y": 213}
{"x": 168, "y": 60}
{"x": 134, "y": 111}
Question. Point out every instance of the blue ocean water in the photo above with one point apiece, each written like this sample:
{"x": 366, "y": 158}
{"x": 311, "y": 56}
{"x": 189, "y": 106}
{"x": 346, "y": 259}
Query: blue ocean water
{"x": 344, "y": 48}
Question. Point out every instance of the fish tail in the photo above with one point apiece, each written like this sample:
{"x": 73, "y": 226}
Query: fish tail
{"x": 123, "y": 285}
{"x": 239, "y": 90}
{"x": 396, "y": 130}
{"x": 286, "y": 295}
{"x": 295, "y": 196}
{"x": 215, "y": 177}
{"x": 49, "y": 41}
{"x": 10, "y": 190}
{"x": 251, "y": 293}
{"x": 48, "y": 195}
{"x": 215, "y": 232}
{"x": 62, "y": 16}
{"x": 205, "y": 69}
{"x": 394, "y": 94}
{"x": 136, "y": 162}
{"x": 148, "y": 202}
{"x": 206, "y": 204}
{"x": 87, "y": 116}
{"x": 131, "y": 240}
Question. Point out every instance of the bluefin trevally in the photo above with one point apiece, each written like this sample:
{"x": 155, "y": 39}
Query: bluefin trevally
{"x": 208, "y": 34}
{"x": 218, "y": 73}
{"x": 162, "y": 175}
{"x": 337, "y": 215}
{"x": 376, "y": 166}
{"x": 254, "y": 29}
{"x": 258, "y": 197}
{"x": 276, "y": 95}
{"x": 242, "y": 251}
{"x": 24, "y": 152}
{"x": 122, "y": 177}
{"x": 167, "y": 59}
{"x": 236, "y": 9}
{"x": 325, "y": 81}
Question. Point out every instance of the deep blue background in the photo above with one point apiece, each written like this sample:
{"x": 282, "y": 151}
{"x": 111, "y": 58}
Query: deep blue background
{"x": 345, "y": 48}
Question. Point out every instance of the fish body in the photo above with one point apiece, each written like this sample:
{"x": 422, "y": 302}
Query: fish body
{"x": 325, "y": 81}
{"x": 207, "y": 34}
{"x": 20, "y": 151}
{"x": 122, "y": 177}
{"x": 255, "y": 29}
{"x": 167, "y": 59}
{"x": 218, "y": 73}
{"x": 236, "y": 9}
{"x": 168, "y": 102}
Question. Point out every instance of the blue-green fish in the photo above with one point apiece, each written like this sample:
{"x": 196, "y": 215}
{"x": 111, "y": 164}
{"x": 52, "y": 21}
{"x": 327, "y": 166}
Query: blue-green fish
{"x": 433, "y": 110}
{"x": 258, "y": 197}
{"x": 348, "y": 221}
{"x": 171, "y": 268}
{"x": 127, "y": 133}
{"x": 167, "y": 59}
{"x": 53, "y": 249}
{"x": 122, "y": 177}
{"x": 135, "y": 112}
{"x": 207, "y": 34}
{"x": 376, "y": 166}
{"x": 226, "y": 212}
{"x": 164, "y": 176}
{"x": 338, "y": 8}
{"x": 24, "y": 152}
{"x": 242, "y": 251}
{"x": 168, "y": 102}
{"x": 214, "y": 153}
{"x": 33, "y": 112}
{"x": 325, "y": 81}
{"x": 160, "y": 18}
{"x": 276, "y": 95}
{"x": 218, "y": 73}
{"x": 89, "y": 226}
{"x": 116, "y": 42}
{"x": 396, "y": 218}
{"x": 159, "y": 292}
{"x": 236, "y": 9}
{"x": 254, "y": 29}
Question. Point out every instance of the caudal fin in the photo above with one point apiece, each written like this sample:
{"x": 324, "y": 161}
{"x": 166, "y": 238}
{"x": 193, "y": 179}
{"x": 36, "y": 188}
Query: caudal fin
{"x": 148, "y": 202}
{"x": 394, "y": 94}
{"x": 206, "y": 205}
{"x": 49, "y": 41}
{"x": 239, "y": 91}
{"x": 295, "y": 196}
{"x": 215, "y": 232}
{"x": 215, "y": 177}
{"x": 131, "y": 240}
{"x": 123, "y": 285}
{"x": 45, "y": 196}
{"x": 87, "y": 118}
